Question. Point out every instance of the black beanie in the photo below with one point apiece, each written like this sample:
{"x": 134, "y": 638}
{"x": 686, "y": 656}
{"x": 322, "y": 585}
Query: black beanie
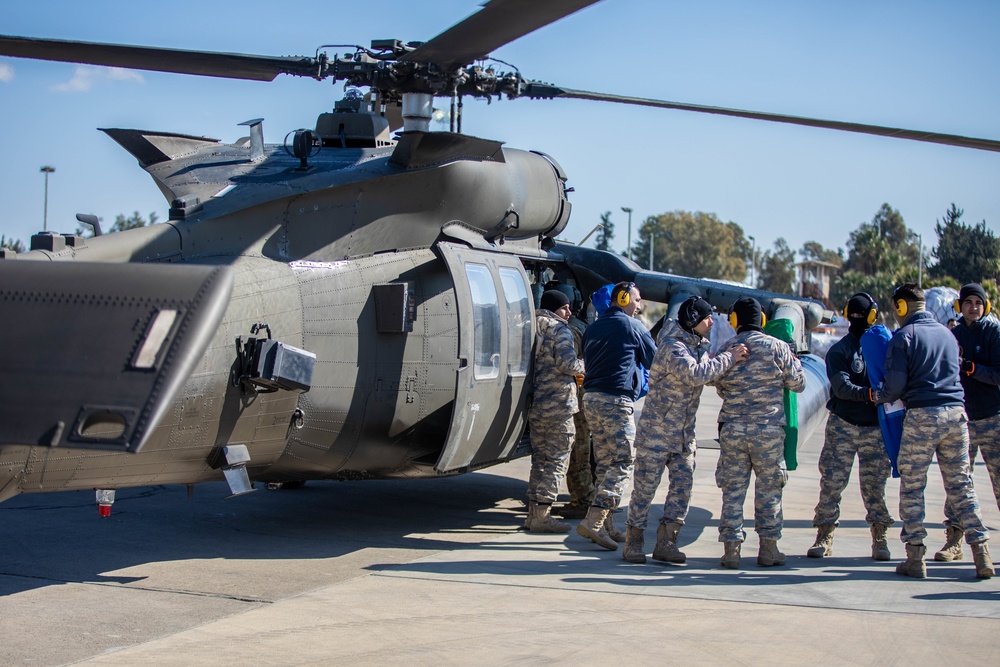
{"x": 692, "y": 311}
{"x": 748, "y": 312}
{"x": 858, "y": 307}
{"x": 972, "y": 289}
{"x": 553, "y": 300}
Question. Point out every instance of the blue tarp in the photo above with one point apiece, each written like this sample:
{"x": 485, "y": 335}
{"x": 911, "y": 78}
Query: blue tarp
{"x": 874, "y": 344}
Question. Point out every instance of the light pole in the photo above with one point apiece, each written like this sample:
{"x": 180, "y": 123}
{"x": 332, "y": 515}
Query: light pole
{"x": 45, "y": 216}
{"x": 652, "y": 238}
{"x": 628, "y": 248}
{"x": 753, "y": 260}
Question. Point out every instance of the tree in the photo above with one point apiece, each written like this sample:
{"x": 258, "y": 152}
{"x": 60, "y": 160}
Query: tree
{"x": 133, "y": 221}
{"x": 811, "y": 250}
{"x": 11, "y": 244}
{"x": 605, "y": 233}
{"x": 777, "y": 271}
{"x": 694, "y": 244}
{"x": 968, "y": 254}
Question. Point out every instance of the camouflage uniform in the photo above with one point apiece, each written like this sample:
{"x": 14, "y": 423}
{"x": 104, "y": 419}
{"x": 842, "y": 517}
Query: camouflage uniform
{"x": 613, "y": 431}
{"x": 666, "y": 437}
{"x": 843, "y": 441}
{"x": 943, "y": 431}
{"x": 551, "y": 415}
{"x": 580, "y": 476}
{"x": 752, "y": 435}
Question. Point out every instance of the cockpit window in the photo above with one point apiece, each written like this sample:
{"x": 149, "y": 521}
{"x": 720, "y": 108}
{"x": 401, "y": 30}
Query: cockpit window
{"x": 486, "y": 315}
{"x": 518, "y": 321}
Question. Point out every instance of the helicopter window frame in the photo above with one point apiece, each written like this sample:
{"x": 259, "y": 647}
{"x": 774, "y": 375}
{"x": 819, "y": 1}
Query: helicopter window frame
{"x": 520, "y": 335}
{"x": 486, "y": 328}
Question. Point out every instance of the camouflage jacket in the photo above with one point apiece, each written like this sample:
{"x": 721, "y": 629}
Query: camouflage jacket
{"x": 752, "y": 392}
{"x": 556, "y": 365}
{"x": 680, "y": 369}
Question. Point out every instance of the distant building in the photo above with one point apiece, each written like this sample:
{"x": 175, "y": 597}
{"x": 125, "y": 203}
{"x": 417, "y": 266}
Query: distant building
{"x": 815, "y": 278}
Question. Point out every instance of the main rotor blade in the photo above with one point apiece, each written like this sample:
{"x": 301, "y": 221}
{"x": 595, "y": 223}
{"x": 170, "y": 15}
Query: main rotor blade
{"x": 179, "y": 61}
{"x": 496, "y": 24}
{"x": 536, "y": 89}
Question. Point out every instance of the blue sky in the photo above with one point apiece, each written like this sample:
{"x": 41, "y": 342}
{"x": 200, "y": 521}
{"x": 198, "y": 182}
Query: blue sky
{"x": 923, "y": 65}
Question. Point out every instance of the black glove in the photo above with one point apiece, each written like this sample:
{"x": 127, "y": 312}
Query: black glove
{"x": 968, "y": 366}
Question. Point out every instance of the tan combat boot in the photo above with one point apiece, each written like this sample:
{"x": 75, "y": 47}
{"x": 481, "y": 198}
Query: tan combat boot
{"x": 880, "y": 547}
{"x": 634, "y": 549}
{"x": 768, "y": 554}
{"x": 952, "y": 549}
{"x": 981, "y": 557}
{"x": 613, "y": 531}
{"x": 592, "y": 527}
{"x": 914, "y": 565}
{"x": 823, "y": 546}
{"x": 666, "y": 544}
{"x": 731, "y": 559}
{"x": 540, "y": 520}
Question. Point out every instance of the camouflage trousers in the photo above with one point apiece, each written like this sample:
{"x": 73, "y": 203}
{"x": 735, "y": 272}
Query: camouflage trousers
{"x": 942, "y": 431}
{"x": 551, "y": 442}
{"x": 580, "y": 476}
{"x": 613, "y": 430}
{"x": 843, "y": 441}
{"x": 649, "y": 467}
{"x": 984, "y": 436}
{"x": 744, "y": 448}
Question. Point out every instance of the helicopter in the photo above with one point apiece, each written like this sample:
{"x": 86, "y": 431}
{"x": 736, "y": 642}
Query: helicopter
{"x": 348, "y": 304}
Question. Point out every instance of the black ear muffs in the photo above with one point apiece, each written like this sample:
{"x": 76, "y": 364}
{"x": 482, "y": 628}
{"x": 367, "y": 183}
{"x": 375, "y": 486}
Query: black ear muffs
{"x": 872, "y": 315}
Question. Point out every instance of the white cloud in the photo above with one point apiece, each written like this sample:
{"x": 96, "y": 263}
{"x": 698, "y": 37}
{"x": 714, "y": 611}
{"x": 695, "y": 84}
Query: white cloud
{"x": 86, "y": 76}
{"x": 6, "y": 73}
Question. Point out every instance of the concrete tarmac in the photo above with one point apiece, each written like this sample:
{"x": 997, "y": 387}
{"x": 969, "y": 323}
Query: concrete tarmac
{"x": 438, "y": 572}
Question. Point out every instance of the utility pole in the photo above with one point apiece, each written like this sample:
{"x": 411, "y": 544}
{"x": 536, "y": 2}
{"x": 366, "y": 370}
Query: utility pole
{"x": 652, "y": 238}
{"x": 45, "y": 216}
{"x": 753, "y": 260}
{"x": 920, "y": 261}
{"x": 628, "y": 248}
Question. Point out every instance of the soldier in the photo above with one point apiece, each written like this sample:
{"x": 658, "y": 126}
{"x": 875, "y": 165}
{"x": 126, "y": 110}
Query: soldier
{"x": 665, "y": 437}
{"x": 613, "y": 347}
{"x": 852, "y": 430}
{"x": 752, "y": 434}
{"x": 550, "y": 418}
{"x": 921, "y": 368}
{"x": 979, "y": 346}
{"x": 580, "y": 475}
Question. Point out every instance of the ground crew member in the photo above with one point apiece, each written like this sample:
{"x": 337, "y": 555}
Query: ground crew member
{"x": 752, "y": 434}
{"x": 613, "y": 347}
{"x": 550, "y": 418}
{"x": 979, "y": 346}
{"x": 852, "y": 430}
{"x": 665, "y": 438}
{"x": 921, "y": 368}
{"x": 580, "y": 475}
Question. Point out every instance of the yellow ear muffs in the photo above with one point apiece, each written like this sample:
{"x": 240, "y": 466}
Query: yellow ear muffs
{"x": 734, "y": 321}
{"x": 872, "y": 312}
{"x": 987, "y": 307}
{"x": 901, "y": 308}
{"x": 624, "y": 298}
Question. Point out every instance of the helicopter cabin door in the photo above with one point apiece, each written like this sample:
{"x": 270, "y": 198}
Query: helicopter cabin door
{"x": 496, "y": 333}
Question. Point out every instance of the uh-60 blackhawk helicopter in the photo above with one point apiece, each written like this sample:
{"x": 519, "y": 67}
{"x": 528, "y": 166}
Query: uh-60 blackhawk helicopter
{"x": 349, "y": 304}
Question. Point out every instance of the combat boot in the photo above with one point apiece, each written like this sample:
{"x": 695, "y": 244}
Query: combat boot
{"x": 952, "y": 549}
{"x": 666, "y": 544}
{"x": 731, "y": 559}
{"x": 768, "y": 554}
{"x": 613, "y": 531}
{"x": 571, "y": 510}
{"x": 880, "y": 547}
{"x": 592, "y": 527}
{"x": 634, "y": 549}
{"x": 540, "y": 520}
{"x": 824, "y": 541}
{"x": 981, "y": 556}
{"x": 914, "y": 565}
